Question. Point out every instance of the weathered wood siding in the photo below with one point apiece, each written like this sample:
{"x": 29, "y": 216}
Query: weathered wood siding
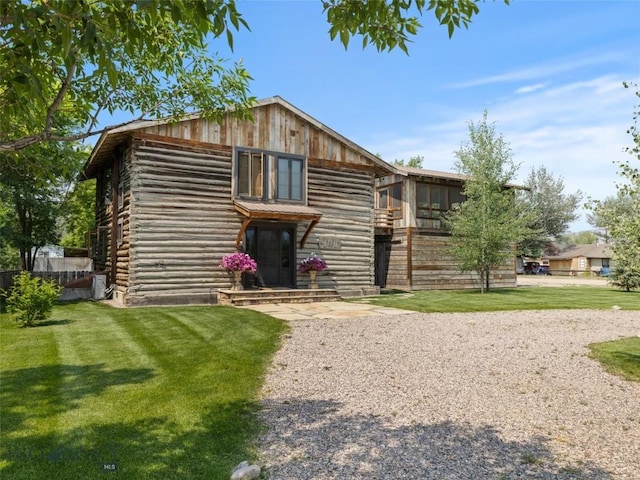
{"x": 182, "y": 222}
{"x": 274, "y": 128}
{"x": 420, "y": 261}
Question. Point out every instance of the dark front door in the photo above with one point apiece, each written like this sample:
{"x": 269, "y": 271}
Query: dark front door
{"x": 273, "y": 248}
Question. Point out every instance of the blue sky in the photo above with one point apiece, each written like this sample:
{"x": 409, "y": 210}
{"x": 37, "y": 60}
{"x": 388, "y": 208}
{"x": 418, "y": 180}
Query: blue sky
{"x": 549, "y": 74}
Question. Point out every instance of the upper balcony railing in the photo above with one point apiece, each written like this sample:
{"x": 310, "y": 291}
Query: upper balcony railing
{"x": 383, "y": 218}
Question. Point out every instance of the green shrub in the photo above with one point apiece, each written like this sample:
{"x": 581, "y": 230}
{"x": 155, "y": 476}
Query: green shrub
{"x": 31, "y": 300}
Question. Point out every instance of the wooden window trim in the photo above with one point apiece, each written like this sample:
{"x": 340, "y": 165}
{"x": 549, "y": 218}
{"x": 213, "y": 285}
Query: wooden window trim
{"x": 269, "y": 175}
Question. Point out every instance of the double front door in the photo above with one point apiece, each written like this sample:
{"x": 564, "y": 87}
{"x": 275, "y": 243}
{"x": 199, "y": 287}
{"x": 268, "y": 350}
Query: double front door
{"x": 274, "y": 249}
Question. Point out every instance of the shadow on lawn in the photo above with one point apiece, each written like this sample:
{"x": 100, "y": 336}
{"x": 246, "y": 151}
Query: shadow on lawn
{"x": 36, "y": 392}
{"x": 313, "y": 441}
{"x": 49, "y": 323}
{"x": 153, "y": 448}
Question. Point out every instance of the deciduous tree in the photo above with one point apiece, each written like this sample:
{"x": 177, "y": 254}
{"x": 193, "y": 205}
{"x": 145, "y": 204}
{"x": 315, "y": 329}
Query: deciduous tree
{"x": 624, "y": 217}
{"x": 486, "y": 226}
{"x": 33, "y": 182}
{"x": 413, "y": 162}
{"x": 605, "y": 216}
{"x": 550, "y": 209}
{"x": 78, "y": 214}
{"x": 144, "y": 57}
{"x": 150, "y": 58}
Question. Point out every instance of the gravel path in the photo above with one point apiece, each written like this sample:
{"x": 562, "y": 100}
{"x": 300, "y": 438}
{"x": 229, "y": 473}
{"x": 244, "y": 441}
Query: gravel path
{"x": 452, "y": 396}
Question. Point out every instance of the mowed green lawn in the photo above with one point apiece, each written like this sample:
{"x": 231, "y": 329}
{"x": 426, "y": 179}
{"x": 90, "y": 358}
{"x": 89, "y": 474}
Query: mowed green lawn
{"x": 502, "y": 299}
{"x": 156, "y": 393}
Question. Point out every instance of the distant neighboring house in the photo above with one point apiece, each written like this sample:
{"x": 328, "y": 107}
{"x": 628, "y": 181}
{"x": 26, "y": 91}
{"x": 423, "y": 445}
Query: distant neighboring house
{"x": 411, "y": 239}
{"x": 49, "y": 251}
{"x": 581, "y": 259}
{"x": 54, "y": 258}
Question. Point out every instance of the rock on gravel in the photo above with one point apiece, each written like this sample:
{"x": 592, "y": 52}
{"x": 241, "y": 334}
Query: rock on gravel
{"x": 452, "y": 396}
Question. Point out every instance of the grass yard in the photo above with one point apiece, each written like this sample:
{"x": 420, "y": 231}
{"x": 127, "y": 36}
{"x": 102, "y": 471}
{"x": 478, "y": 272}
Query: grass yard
{"x": 158, "y": 393}
{"x": 619, "y": 357}
{"x": 524, "y": 298}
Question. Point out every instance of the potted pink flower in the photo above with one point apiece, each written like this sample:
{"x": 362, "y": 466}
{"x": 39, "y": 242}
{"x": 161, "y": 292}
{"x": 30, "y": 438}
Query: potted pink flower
{"x": 312, "y": 264}
{"x": 238, "y": 263}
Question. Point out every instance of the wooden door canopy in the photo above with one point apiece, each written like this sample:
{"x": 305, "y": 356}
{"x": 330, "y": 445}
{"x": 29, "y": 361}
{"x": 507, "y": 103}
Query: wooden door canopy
{"x": 276, "y": 212}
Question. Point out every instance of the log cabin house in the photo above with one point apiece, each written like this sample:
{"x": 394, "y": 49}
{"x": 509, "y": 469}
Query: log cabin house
{"x": 174, "y": 198}
{"x": 411, "y": 240}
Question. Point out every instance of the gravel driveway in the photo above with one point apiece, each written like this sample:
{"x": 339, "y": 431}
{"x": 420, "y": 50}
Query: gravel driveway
{"x": 451, "y": 396}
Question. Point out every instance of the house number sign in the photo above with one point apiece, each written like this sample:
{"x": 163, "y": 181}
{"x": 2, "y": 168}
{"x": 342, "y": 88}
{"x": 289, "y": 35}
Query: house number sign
{"x": 329, "y": 243}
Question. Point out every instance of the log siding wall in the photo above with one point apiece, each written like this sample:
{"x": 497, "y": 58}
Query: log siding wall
{"x": 345, "y": 198}
{"x": 182, "y": 222}
{"x": 179, "y": 218}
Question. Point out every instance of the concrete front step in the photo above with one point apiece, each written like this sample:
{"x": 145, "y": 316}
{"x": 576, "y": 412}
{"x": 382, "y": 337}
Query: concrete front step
{"x": 256, "y": 297}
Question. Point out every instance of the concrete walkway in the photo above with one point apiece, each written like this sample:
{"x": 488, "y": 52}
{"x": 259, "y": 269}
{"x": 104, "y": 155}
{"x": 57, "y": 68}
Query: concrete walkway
{"x": 324, "y": 310}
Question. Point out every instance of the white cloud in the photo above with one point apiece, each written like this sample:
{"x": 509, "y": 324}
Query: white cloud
{"x": 531, "y": 88}
{"x": 546, "y": 70}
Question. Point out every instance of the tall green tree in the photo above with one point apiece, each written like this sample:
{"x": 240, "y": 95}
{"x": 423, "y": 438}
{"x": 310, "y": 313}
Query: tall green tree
{"x": 607, "y": 213}
{"x": 414, "y": 162}
{"x": 144, "y": 57}
{"x": 550, "y": 209}
{"x": 485, "y": 228}
{"x": 78, "y": 214}
{"x": 623, "y": 217}
{"x": 33, "y": 183}
{"x": 578, "y": 238}
{"x": 150, "y": 57}
{"x": 9, "y": 255}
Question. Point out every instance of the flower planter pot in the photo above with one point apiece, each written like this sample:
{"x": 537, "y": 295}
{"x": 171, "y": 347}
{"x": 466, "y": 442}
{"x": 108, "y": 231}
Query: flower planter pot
{"x": 237, "y": 281}
{"x": 312, "y": 279}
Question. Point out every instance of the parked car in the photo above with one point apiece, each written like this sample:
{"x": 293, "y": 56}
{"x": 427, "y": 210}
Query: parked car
{"x": 531, "y": 268}
{"x": 536, "y": 268}
{"x": 544, "y": 270}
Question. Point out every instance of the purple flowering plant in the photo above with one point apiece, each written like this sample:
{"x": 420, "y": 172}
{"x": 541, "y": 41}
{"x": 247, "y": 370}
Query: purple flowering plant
{"x": 312, "y": 263}
{"x": 238, "y": 262}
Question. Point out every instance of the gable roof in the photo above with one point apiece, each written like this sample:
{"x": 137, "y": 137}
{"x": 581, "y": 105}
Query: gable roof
{"x": 110, "y": 139}
{"x": 588, "y": 251}
{"x": 421, "y": 172}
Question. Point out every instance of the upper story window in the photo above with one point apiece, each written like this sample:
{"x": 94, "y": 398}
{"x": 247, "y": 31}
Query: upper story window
{"x": 269, "y": 176}
{"x": 432, "y": 200}
{"x": 391, "y": 197}
{"x": 289, "y": 179}
{"x": 250, "y": 174}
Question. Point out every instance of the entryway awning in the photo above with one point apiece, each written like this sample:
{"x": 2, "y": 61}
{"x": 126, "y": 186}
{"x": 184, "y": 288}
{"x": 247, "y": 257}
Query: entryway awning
{"x": 278, "y": 212}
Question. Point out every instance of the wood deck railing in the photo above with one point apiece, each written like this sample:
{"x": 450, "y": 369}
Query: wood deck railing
{"x": 383, "y": 218}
